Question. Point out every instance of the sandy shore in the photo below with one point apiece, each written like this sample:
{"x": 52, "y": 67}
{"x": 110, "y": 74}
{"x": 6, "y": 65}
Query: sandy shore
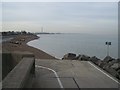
{"x": 19, "y": 43}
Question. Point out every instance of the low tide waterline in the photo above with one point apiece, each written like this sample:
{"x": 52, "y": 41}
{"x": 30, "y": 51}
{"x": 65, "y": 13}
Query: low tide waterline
{"x": 60, "y": 44}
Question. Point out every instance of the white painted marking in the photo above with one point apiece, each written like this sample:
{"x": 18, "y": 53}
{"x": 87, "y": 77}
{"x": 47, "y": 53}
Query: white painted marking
{"x": 61, "y": 86}
{"x": 104, "y": 72}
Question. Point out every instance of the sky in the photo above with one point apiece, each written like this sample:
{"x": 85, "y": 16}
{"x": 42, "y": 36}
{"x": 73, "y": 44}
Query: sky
{"x": 61, "y": 17}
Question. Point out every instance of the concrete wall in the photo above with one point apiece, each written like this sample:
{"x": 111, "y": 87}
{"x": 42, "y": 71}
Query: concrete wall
{"x": 10, "y": 60}
{"x": 22, "y": 73}
{"x": 7, "y": 64}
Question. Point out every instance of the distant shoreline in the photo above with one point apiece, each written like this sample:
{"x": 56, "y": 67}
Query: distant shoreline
{"x": 19, "y": 43}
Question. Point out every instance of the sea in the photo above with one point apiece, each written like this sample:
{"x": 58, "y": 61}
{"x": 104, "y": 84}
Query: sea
{"x": 86, "y": 44}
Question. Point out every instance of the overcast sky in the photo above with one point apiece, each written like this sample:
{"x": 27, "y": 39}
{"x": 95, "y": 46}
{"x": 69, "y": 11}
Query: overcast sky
{"x": 63, "y": 17}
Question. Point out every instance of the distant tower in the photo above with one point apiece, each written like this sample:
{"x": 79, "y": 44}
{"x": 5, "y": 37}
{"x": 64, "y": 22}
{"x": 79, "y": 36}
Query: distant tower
{"x": 42, "y": 29}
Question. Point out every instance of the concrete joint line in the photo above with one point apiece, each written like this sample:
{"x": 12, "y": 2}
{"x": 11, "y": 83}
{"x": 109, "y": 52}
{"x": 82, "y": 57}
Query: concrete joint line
{"x": 76, "y": 83}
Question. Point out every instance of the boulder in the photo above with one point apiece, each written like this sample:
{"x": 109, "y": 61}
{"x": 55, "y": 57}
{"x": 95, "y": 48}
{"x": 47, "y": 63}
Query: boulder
{"x": 111, "y": 67}
{"x": 95, "y": 60}
{"x": 77, "y": 57}
{"x": 69, "y": 56}
{"x": 115, "y": 66}
{"x": 83, "y": 58}
{"x": 114, "y": 70}
{"x": 107, "y": 62}
{"x": 108, "y": 58}
{"x": 118, "y": 69}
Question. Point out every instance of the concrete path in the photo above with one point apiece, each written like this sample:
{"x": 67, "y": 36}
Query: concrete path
{"x": 72, "y": 74}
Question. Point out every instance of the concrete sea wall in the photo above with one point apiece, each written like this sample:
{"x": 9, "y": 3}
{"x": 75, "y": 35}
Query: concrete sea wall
{"x": 18, "y": 69}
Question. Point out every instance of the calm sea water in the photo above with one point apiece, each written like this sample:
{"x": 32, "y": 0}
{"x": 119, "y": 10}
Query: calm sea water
{"x": 60, "y": 44}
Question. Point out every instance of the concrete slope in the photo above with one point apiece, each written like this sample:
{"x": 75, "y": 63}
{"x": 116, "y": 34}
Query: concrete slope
{"x": 72, "y": 74}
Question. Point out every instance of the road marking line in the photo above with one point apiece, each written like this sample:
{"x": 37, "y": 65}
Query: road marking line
{"x": 61, "y": 86}
{"x": 104, "y": 72}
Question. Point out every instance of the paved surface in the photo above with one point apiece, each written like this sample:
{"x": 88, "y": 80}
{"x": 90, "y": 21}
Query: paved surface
{"x": 72, "y": 74}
